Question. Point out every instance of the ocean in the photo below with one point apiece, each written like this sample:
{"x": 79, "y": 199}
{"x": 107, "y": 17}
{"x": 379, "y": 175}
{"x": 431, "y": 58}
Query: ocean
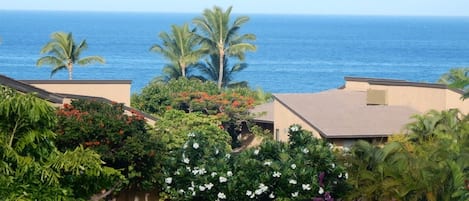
{"x": 296, "y": 53}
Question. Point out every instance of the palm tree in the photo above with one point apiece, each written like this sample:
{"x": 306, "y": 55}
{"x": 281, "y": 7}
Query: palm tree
{"x": 181, "y": 48}
{"x": 222, "y": 38}
{"x": 211, "y": 71}
{"x": 457, "y": 78}
{"x": 63, "y": 52}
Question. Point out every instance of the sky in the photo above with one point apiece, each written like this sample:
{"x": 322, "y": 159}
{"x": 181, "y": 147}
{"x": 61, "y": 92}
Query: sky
{"x": 313, "y": 7}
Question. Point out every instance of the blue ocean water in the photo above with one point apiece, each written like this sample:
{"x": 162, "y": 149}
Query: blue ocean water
{"x": 296, "y": 53}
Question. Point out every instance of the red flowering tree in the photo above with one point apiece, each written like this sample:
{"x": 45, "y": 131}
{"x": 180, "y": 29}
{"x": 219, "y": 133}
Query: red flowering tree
{"x": 122, "y": 140}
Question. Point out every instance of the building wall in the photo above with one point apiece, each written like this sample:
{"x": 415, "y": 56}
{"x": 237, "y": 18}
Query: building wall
{"x": 453, "y": 100}
{"x": 356, "y": 85}
{"x": 422, "y": 99}
{"x": 118, "y": 91}
{"x": 284, "y": 118}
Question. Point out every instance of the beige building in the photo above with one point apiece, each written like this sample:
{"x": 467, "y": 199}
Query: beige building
{"x": 59, "y": 92}
{"x": 364, "y": 108}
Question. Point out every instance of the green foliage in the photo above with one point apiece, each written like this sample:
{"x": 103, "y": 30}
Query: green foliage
{"x": 457, "y": 78}
{"x": 301, "y": 170}
{"x": 210, "y": 71}
{"x": 122, "y": 140}
{"x": 429, "y": 163}
{"x": 31, "y": 166}
{"x": 63, "y": 52}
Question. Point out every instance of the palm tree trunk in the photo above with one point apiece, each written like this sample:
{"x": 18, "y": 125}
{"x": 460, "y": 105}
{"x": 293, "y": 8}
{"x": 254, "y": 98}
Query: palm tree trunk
{"x": 70, "y": 69}
{"x": 183, "y": 69}
{"x": 221, "y": 68}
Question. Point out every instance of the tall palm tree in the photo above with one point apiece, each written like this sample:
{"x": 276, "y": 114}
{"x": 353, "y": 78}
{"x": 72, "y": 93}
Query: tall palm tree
{"x": 63, "y": 52}
{"x": 222, "y": 37}
{"x": 180, "y": 47}
{"x": 211, "y": 71}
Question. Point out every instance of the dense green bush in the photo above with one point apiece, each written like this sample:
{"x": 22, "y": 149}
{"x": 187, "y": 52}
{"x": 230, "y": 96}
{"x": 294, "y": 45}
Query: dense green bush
{"x": 303, "y": 169}
{"x": 122, "y": 140}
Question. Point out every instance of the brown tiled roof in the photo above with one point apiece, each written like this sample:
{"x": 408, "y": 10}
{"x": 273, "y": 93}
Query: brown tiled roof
{"x": 344, "y": 114}
{"x": 264, "y": 113}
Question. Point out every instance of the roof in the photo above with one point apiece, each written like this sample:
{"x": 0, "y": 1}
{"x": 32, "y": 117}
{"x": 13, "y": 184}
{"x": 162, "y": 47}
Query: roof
{"x": 394, "y": 82}
{"x": 264, "y": 113}
{"x": 25, "y": 87}
{"x": 344, "y": 114}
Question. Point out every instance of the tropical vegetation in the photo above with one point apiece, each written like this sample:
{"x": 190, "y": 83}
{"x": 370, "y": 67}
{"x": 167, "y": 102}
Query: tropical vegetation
{"x": 63, "y": 52}
{"x": 457, "y": 78}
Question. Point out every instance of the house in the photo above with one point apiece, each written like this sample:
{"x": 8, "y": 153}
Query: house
{"x": 364, "y": 108}
{"x": 59, "y": 92}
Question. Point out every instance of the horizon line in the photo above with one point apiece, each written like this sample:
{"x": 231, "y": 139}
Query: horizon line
{"x": 235, "y": 13}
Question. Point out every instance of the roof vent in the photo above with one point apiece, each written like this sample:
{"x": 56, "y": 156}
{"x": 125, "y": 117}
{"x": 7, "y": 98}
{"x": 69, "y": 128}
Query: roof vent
{"x": 376, "y": 97}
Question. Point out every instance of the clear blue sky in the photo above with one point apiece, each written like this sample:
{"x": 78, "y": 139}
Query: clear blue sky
{"x": 344, "y": 7}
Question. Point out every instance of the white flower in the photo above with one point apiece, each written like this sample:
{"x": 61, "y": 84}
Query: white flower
{"x": 208, "y": 186}
{"x": 306, "y": 187}
{"x": 222, "y": 179}
{"x": 168, "y": 180}
{"x": 305, "y": 150}
{"x": 295, "y": 194}
{"x": 229, "y": 173}
{"x": 277, "y": 174}
{"x": 293, "y": 166}
{"x": 191, "y": 188}
{"x": 346, "y": 175}
{"x": 191, "y": 135}
{"x": 256, "y": 151}
{"x": 195, "y": 145}
{"x": 221, "y": 195}
{"x": 292, "y": 181}
{"x": 213, "y": 174}
{"x": 294, "y": 128}
{"x": 177, "y": 172}
{"x": 228, "y": 156}
{"x": 321, "y": 190}
{"x": 217, "y": 151}
{"x": 248, "y": 193}
{"x": 186, "y": 160}
{"x": 181, "y": 191}
{"x": 258, "y": 191}
{"x": 333, "y": 165}
{"x": 340, "y": 175}
{"x": 272, "y": 195}
{"x": 188, "y": 168}
{"x": 202, "y": 188}
{"x": 268, "y": 163}
{"x": 263, "y": 187}
{"x": 185, "y": 146}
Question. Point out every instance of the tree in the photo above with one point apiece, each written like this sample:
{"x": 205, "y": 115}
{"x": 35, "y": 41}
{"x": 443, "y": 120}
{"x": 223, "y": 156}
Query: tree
{"x": 181, "y": 48}
{"x": 211, "y": 69}
{"x": 63, "y": 53}
{"x": 457, "y": 78}
{"x": 222, "y": 38}
{"x": 31, "y": 167}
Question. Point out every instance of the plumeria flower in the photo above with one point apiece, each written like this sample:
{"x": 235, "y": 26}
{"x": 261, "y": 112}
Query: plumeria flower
{"x": 321, "y": 190}
{"x": 306, "y": 187}
{"x": 295, "y": 194}
{"x": 195, "y": 145}
{"x": 277, "y": 174}
{"x": 229, "y": 173}
{"x": 305, "y": 150}
{"x": 248, "y": 193}
{"x": 227, "y": 156}
{"x": 346, "y": 175}
{"x": 222, "y": 179}
{"x": 256, "y": 152}
{"x": 272, "y": 195}
{"x": 213, "y": 174}
{"x": 340, "y": 175}
{"x": 202, "y": 188}
{"x": 177, "y": 172}
{"x": 184, "y": 146}
{"x": 258, "y": 191}
{"x": 221, "y": 195}
{"x": 263, "y": 187}
{"x": 168, "y": 180}
{"x": 294, "y": 128}
{"x": 293, "y": 166}
{"x": 208, "y": 186}
{"x": 181, "y": 191}
{"x": 292, "y": 181}
{"x": 186, "y": 160}
{"x": 333, "y": 165}
{"x": 217, "y": 151}
{"x": 268, "y": 163}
